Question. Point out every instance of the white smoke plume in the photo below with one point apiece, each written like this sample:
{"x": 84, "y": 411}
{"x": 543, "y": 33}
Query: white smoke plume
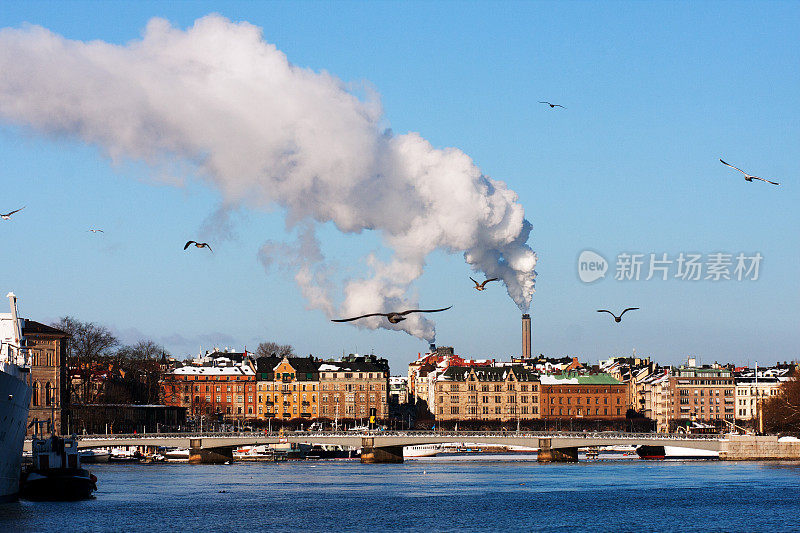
{"x": 264, "y": 132}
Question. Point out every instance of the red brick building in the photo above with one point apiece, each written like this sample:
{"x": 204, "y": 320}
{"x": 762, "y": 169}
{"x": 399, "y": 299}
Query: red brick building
{"x": 592, "y": 396}
{"x": 221, "y": 384}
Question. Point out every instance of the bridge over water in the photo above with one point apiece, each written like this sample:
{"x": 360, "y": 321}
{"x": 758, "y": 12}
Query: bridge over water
{"x": 386, "y": 446}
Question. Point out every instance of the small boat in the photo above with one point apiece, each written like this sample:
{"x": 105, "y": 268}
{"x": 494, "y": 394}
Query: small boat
{"x": 56, "y": 473}
{"x": 177, "y": 455}
{"x": 254, "y": 453}
{"x": 593, "y": 453}
{"x": 674, "y": 453}
{"x": 124, "y": 455}
{"x": 94, "y": 455}
{"x": 332, "y": 451}
{"x": 421, "y": 450}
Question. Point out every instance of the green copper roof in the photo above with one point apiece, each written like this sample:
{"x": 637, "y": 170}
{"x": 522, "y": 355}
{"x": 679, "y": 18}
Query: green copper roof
{"x": 579, "y": 379}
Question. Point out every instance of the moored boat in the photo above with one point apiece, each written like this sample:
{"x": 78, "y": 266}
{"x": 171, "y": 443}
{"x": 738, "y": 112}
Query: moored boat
{"x": 421, "y": 450}
{"x": 674, "y": 453}
{"x": 94, "y": 455}
{"x": 124, "y": 455}
{"x": 56, "y": 472}
{"x": 177, "y": 455}
{"x": 332, "y": 451}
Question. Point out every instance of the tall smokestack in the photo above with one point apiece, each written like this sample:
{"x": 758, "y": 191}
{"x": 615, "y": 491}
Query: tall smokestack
{"x": 526, "y": 336}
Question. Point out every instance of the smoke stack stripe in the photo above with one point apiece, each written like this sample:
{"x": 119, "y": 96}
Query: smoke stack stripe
{"x": 526, "y": 336}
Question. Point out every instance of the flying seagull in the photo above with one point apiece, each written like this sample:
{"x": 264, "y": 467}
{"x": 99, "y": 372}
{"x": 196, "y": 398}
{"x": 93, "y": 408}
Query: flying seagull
{"x": 747, "y": 176}
{"x": 198, "y": 245}
{"x": 553, "y": 105}
{"x": 617, "y": 318}
{"x": 96, "y": 230}
{"x": 7, "y": 216}
{"x": 394, "y": 318}
{"x": 482, "y": 286}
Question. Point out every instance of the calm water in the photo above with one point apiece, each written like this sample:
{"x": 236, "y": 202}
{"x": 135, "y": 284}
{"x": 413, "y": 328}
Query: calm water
{"x": 440, "y": 494}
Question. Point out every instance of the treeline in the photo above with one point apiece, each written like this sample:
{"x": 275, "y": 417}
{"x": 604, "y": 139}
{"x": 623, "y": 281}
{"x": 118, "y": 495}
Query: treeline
{"x": 101, "y": 370}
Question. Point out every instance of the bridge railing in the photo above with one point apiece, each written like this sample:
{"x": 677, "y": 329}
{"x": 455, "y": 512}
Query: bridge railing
{"x": 465, "y": 435}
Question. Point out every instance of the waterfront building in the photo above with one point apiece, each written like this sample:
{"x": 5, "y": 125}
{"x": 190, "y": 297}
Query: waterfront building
{"x": 47, "y": 347}
{"x": 398, "y": 390}
{"x": 573, "y": 395}
{"x": 353, "y": 387}
{"x": 632, "y": 371}
{"x": 496, "y": 393}
{"x": 654, "y": 398}
{"x": 221, "y": 384}
{"x": 752, "y": 392}
{"x": 288, "y": 387}
{"x": 703, "y": 394}
{"x": 423, "y": 372}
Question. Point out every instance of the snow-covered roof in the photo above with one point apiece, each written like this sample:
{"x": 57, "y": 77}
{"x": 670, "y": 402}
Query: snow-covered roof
{"x": 327, "y": 367}
{"x": 547, "y": 379}
{"x": 214, "y": 371}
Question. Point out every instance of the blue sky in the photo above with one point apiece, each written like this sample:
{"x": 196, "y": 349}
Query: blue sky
{"x": 654, "y": 92}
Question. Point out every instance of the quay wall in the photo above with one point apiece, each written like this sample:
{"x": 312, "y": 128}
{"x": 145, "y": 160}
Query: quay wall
{"x": 758, "y": 448}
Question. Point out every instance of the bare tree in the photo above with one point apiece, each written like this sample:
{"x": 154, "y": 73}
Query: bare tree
{"x": 782, "y": 412}
{"x": 87, "y": 344}
{"x": 145, "y": 349}
{"x": 267, "y": 349}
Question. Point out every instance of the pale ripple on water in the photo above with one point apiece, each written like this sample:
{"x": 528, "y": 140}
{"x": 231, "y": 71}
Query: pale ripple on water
{"x": 432, "y": 495}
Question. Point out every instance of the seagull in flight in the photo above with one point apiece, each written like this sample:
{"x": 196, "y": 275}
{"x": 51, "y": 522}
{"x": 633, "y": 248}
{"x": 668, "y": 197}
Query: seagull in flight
{"x": 7, "y": 216}
{"x": 747, "y": 176}
{"x": 617, "y": 318}
{"x": 553, "y": 105}
{"x": 394, "y": 318}
{"x": 96, "y": 230}
{"x": 482, "y": 286}
{"x": 198, "y": 245}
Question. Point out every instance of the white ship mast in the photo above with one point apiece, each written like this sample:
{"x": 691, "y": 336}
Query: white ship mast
{"x": 13, "y": 356}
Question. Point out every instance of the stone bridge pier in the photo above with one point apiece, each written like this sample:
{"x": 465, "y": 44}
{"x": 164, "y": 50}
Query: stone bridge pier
{"x": 209, "y": 456}
{"x": 379, "y": 454}
{"x": 548, "y": 454}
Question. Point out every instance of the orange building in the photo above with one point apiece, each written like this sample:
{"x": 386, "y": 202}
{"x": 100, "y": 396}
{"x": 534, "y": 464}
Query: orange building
{"x": 287, "y": 387}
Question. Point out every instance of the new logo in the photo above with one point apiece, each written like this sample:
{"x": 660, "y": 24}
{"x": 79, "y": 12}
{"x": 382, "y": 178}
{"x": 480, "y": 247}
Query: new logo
{"x": 591, "y": 266}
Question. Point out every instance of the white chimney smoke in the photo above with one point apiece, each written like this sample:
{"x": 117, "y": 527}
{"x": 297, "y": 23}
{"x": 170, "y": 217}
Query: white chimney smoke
{"x": 265, "y": 132}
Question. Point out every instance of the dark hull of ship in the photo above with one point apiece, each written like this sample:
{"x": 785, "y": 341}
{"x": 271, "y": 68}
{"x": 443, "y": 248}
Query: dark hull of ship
{"x": 317, "y": 452}
{"x": 57, "y": 484}
{"x": 671, "y": 452}
{"x": 15, "y": 398}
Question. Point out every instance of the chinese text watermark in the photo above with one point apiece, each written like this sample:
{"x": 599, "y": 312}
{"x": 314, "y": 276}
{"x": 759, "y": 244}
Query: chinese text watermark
{"x": 685, "y": 266}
